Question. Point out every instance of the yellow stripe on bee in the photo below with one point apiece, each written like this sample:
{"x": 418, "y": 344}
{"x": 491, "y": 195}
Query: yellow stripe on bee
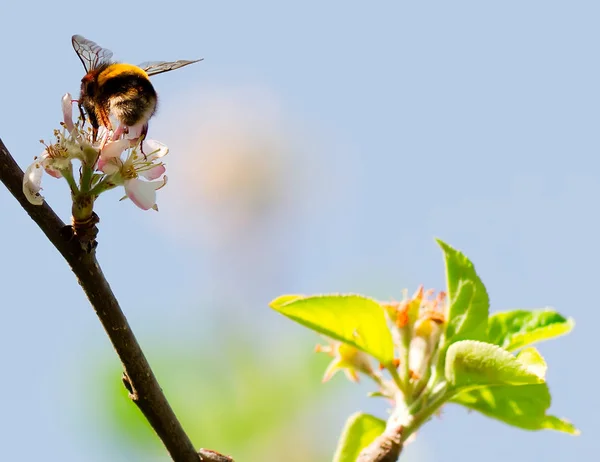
{"x": 115, "y": 70}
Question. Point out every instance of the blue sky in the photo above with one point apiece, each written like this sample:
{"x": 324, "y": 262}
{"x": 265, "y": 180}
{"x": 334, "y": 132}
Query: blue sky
{"x": 319, "y": 147}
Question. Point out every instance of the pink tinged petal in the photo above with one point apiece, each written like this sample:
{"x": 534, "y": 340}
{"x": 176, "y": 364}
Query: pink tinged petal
{"x": 32, "y": 183}
{"x": 109, "y": 166}
{"x": 118, "y": 132}
{"x": 142, "y": 193}
{"x": 47, "y": 162}
{"x": 67, "y": 110}
{"x": 113, "y": 149}
{"x": 154, "y": 149}
{"x": 134, "y": 132}
{"x": 52, "y": 171}
{"x": 154, "y": 172}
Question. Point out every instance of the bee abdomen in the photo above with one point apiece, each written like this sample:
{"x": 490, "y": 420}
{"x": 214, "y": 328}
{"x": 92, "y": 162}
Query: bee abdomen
{"x": 130, "y": 96}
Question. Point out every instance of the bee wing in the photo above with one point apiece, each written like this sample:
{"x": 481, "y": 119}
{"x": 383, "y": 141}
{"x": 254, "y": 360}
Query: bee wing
{"x": 158, "y": 67}
{"x": 90, "y": 53}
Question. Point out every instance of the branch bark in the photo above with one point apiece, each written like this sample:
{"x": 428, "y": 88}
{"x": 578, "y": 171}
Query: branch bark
{"x": 138, "y": 377}
{"x": 386, "y": 447}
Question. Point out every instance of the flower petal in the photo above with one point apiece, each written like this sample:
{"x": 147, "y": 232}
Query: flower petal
{"x": 114, "y": 149}
{"x": 142, "y": 193}
{"x": 49, "y": 164}
{"x": 103, "y": 131}
{"x": 154, "y": 149}
{"x": 32, "y": 183}
{"x": 109, "y": 166}
{"x": 67, "y": 110}
{"x": 135, "y": 131}
{"x": 52, "y": 171}
{"x": 153, "y": 173}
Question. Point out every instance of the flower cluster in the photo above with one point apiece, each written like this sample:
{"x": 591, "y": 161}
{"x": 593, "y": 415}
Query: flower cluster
{"x": 110, "y": 161}
{"x": 417, "y": 324}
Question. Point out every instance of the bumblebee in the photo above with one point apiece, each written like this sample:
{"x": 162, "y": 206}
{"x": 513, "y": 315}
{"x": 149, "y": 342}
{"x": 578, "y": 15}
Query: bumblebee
{"x": 118, "y": 89}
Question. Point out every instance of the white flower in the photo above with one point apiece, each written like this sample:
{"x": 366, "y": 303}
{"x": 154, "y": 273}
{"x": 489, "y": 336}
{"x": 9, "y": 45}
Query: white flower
{"x": 109, "y": 161}
{"x": 129, "y": 172}
{"x": 143, "y": 193}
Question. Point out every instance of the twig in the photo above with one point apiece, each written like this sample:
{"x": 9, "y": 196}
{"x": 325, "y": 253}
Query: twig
{"x": 386, "y": 447}
{"x": 143, "y": 387}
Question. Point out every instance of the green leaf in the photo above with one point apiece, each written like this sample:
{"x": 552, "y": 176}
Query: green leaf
{"x": 472, "y": 364}
{"x": 561, "y": 425}
{"x": 353, "y": 319}
{"x": 534, "y": 361}
{"x": 360, "y": 431}
{"x": 279, "y": 301}
{"x": 467, "y": 297}
{"x": 515, "y": 329}
{"x": 523, "y": 406}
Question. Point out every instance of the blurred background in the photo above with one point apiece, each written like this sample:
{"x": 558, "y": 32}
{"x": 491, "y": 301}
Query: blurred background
{"x": 319, "y": 147}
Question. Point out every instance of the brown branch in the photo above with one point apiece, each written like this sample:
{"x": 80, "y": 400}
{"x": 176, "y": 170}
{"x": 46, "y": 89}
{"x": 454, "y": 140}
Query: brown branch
{"x": 386, "y": 447}
{"x": 143, "y": 387}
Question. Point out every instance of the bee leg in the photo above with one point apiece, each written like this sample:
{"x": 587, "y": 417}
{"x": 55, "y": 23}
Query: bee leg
{"x": 95, "y": 125}
{"x": 142, "y": 137}
{"x": 81, "y": 113}
{"x": 102, "y": 114}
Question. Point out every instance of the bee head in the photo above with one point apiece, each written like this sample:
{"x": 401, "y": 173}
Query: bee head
{"x": 89, "y": 84}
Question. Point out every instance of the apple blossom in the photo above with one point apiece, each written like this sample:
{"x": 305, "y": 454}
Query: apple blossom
{"x": 110, "y": 161}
